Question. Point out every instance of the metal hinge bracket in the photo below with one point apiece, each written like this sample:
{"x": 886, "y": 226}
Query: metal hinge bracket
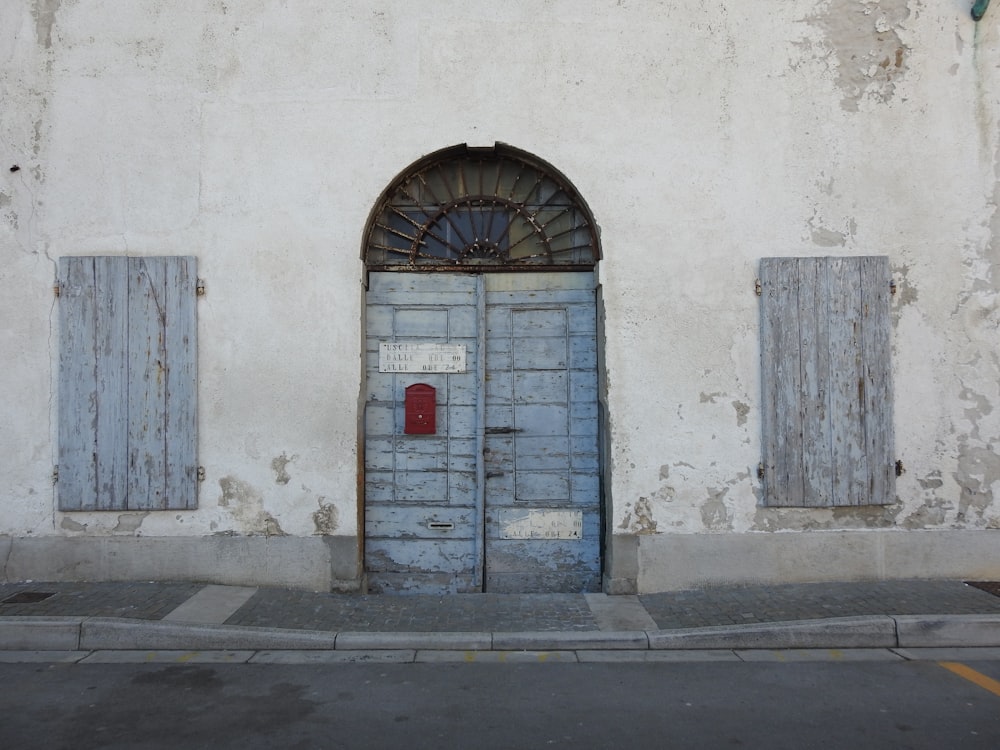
{"x": 757, "y": 289}
{"x": 199, "y": 287}
{"x": 892, "y": 287}
{"x": 760, "y": 470}
{"x": 900, "y": 469}
{"x": 55, "y": 474}
{"x": 201, "y": 473}
{"x": 55, "y": 289}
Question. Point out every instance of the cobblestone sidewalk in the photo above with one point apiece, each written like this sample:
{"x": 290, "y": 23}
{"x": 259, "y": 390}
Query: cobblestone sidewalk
{"x": 710, "y": 606}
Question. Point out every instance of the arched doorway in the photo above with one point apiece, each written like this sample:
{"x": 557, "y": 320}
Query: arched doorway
{"x": 481, "y": 423}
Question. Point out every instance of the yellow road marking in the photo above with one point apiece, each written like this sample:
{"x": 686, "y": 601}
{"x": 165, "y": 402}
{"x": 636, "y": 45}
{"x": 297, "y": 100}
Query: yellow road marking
{"x": 987, "y": 683}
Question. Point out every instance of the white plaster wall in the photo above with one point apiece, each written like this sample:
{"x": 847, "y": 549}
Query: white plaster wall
{"x": 257, "y": 135}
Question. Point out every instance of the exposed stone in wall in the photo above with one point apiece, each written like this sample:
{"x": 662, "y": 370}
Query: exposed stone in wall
{"x": 869, "y": 53}
{"x": 638, "y": 519}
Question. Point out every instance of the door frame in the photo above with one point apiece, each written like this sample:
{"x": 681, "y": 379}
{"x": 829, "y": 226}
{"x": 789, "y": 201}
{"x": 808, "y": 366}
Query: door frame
{"x": 546, "y": 209}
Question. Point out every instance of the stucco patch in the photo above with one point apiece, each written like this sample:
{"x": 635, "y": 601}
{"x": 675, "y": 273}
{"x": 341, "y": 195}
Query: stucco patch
{"x": 69, "y": 524}
{"x": 129, "y": 523}
{"x": 826, "y": 519}
{"x": 714, "y": 513}
{"x": 980, "y": 408}
{"x": 742, "y": 411}
{"x": 978, "y": 470}
{"x": 932, "y": 513}
{"x": 279, "y": 464}
{"x": 246, "y": 504}
{"x": 906, "y": 293}
{"x": 325, "y": 519}
{"x": 870, "y": 54}
{"x": 45, "y": 18}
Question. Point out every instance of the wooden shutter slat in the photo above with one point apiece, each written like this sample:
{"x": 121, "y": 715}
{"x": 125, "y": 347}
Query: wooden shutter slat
{"x": 782, "y": 383}
{"x": 181, "y": 472}
{"x": 814, "y": 400}
{"x": 147, "y": 385}
{"x": 77, "y": 386}
{"x": 111, "y": 365}
{"x": 849, "y": 462}
{"x": 876, "y": 346}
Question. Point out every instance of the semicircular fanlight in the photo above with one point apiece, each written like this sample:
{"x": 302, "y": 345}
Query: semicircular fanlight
{"x": 481, "y": 209}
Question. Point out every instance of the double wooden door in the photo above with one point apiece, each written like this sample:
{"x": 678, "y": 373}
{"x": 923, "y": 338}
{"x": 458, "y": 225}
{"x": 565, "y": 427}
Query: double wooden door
{"x": 504, "y": 495}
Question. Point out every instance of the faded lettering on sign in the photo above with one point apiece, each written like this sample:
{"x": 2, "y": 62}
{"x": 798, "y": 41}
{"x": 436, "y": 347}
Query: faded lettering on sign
{"x": 533, "y": 523}
{"x": 420, "y": 357}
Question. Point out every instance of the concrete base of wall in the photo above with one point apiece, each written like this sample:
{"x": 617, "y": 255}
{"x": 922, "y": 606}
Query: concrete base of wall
{"x": 320, "y": 563}
{"x": 636, "y": 564}
{"x": 672, "y": 562}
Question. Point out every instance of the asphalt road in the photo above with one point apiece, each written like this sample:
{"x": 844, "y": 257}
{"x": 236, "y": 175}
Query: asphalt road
{"x": 479, "y": 706}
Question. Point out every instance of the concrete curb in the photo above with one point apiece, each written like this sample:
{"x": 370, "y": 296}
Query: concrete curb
{"x": 937, "y": 631}
{"x": 40, "y": 633}
{"x": 876, "y": 631}
{"x": 571, "y": 641}
{"x": 25, "y": 633}
{"x": 110, "y": 634}
{"x": 466, "y": 641}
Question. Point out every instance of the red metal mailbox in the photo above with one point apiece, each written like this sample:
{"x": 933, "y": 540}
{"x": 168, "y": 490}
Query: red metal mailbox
{"x": 421, "y": 404}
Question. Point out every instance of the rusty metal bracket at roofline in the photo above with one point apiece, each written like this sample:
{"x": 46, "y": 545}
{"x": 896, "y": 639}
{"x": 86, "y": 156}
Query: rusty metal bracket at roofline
{"x": 979, "y": 9}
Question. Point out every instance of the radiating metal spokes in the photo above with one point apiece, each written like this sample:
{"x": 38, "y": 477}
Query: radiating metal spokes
{"x": 482, "y": 208}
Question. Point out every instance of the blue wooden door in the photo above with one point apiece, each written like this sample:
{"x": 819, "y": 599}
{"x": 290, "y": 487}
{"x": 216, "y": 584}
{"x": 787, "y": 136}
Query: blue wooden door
{"x": 542, "y": 521}
{"x": 505, "y": 495}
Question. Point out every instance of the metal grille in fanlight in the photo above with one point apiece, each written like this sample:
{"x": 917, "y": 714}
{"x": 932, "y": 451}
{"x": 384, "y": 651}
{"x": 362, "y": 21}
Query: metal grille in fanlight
{"x": 481, "y": 209}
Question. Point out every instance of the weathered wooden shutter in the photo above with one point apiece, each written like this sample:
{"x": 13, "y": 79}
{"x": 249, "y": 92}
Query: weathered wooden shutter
{"x": 827, "y": 381}
{"x": 127, "y": 383}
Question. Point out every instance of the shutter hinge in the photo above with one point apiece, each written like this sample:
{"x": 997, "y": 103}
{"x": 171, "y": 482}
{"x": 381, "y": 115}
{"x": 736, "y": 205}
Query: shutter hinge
{"x": 892, "y": 287}
{"x": 201, "y": 473}
{"x": 55, "y": 288}
{"x": 757, "y": 288}
{"x": 760, "y": 471}
{"x": 900, "y": 469}
{"x": 199, "y": 287}
{"x": 55, "y": 474}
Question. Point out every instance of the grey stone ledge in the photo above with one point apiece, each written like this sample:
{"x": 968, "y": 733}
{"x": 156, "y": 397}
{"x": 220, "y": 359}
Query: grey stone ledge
{"x": 875, "y": 631}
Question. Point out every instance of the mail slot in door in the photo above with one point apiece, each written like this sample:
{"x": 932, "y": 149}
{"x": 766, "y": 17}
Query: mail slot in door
{"x": 421, "y": 405}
